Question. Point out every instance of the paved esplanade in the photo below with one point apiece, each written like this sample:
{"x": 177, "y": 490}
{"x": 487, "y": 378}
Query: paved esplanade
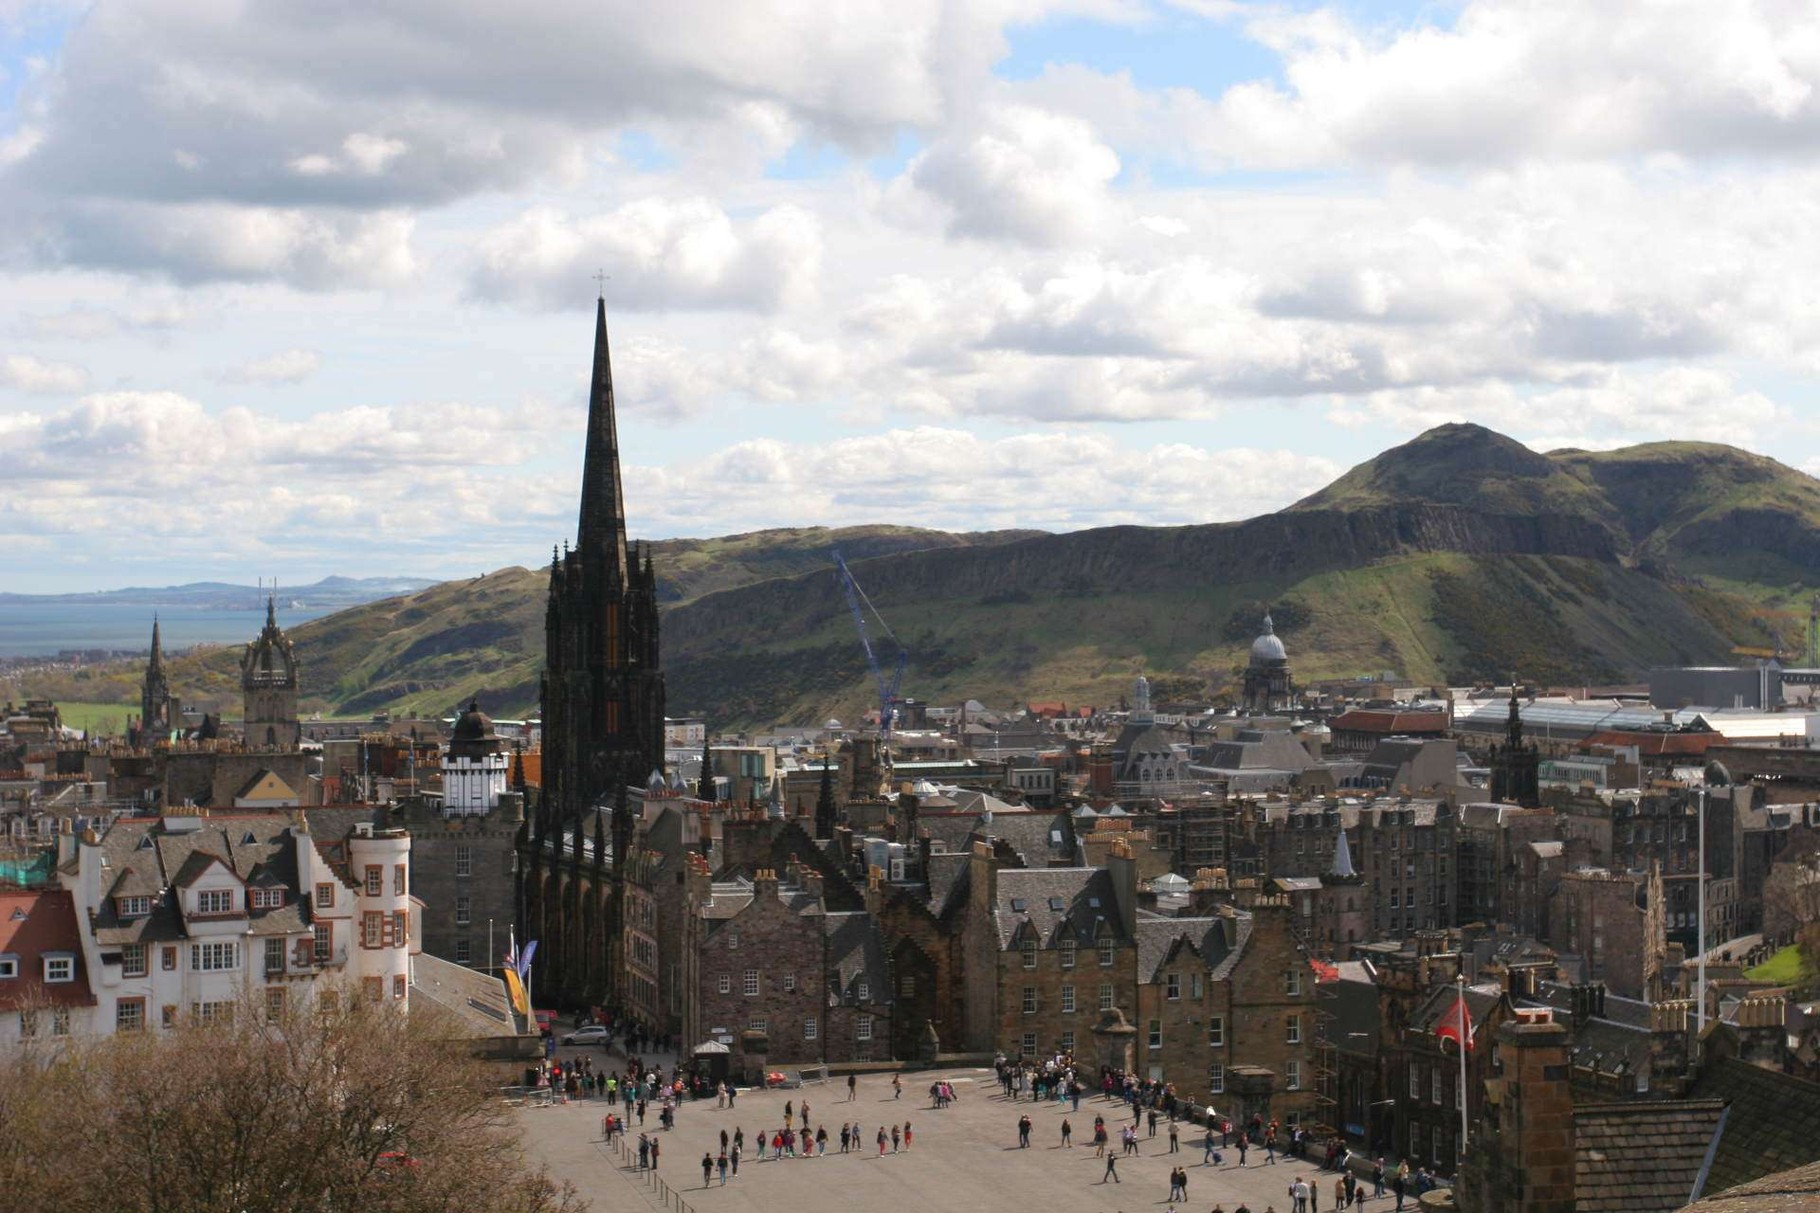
{"x": 965, "y": 1156}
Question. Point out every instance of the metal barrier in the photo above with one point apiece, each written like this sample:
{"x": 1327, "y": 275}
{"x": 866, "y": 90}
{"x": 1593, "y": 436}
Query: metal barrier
{"x": 667, "y": 1196}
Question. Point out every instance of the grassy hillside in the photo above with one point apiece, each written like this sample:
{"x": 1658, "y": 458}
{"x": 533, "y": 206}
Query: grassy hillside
{"x": 1460, "y": 556}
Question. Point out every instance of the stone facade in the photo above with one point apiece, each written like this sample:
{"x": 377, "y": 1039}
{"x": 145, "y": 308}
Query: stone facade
{"x": 268, "y": 682}
{"x": 465, "y": 871}
{"x": 1404, "y": 850}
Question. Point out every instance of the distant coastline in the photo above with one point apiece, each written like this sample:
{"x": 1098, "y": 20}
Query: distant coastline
{"x": 63, "y": 628}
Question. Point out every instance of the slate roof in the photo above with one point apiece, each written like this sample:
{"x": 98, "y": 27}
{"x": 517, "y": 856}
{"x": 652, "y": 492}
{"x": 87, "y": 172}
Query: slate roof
{"x": 856, "y": 953}
{"x": 947, "y": 876}
{"x": 730, "y": 897}
{"x": 1772, "y": 1121}
{"x": 477, "y": 1001}
{"x": 1034, "y": 836}
{"x": 1641, "y": 1157}
{"x": 1084, "y": 895}
{"x": 257, "y": 847}
{"x": 1214, "y": 940}
{"x": 1433, "y": 1010}
{"x": 1796, "y": 1191}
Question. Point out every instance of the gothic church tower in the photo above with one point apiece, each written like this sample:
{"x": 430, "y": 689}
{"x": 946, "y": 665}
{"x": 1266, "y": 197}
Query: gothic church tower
{"x": 603, "y": 714}
{"x": 268, "y": 684}
{"x": 157, "y": 708}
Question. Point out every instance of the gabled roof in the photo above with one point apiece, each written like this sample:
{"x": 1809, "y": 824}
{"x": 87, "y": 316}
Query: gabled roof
{"x": 1049, "y": 899}
{"x": 856, "y": 953}
{"x": 1772, "y": 1121}
{"x": 195, "y": 865}
{"x": 33, "y": 924}
{"x": 1211, "y": 942}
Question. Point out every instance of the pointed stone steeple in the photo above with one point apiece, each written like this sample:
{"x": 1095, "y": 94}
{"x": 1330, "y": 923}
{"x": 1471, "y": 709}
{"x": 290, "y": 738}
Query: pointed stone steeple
{"x": 601, "y": 532}
{"x": 156, "y": 665}
{"x": 157, "y": 708}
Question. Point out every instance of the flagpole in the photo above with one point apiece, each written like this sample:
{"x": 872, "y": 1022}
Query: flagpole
{"x": 1465, "y": 1035}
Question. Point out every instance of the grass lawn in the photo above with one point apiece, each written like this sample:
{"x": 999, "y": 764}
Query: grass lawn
{"x": 1785, "y": 968}
{"x": 97, "y": 718}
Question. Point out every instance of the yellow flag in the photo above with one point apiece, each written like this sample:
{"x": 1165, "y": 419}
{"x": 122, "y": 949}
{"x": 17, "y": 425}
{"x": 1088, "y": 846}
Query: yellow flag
{"x": 516, "y": 988}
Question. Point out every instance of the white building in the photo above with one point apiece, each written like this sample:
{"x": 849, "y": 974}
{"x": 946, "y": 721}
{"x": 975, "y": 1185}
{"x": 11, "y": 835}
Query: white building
{"x": 474, "y": 767}
{"x": 192, "y": 915}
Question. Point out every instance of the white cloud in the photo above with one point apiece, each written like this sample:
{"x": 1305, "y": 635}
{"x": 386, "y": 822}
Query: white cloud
{"x": 686, "y": 253}
{"x": 288, "y": 366}
{"x": 1022, "y": 174}
{"x": 949, "y": 478}
{"x": 25, "y": 373}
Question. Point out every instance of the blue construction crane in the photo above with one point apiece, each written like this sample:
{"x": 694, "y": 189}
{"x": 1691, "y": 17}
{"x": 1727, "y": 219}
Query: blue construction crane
{"x": 887, "y": 689}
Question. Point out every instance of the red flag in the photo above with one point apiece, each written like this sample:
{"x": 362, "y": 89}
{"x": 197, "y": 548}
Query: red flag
{"x": 1457, "y": 1024}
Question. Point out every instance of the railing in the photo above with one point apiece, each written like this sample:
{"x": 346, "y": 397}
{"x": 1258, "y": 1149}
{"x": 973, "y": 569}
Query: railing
{"x": 667, "y": 1196}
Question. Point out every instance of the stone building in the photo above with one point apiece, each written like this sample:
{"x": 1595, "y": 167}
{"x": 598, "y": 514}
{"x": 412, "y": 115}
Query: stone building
{"x": 1403, "y": 848}
{"x": 1486, "y": 839}
{"x": 603, "y": 718}
{"x": 1267, "y": 686}
{"x": 1516, "y": 765}
{"x": 1226, "y": 1009}
{"x": 1615, "y": 921}
{"x": 268, "y": 683}
{"x": 464, "y": 868}
{"x": 1422, "y": 1065}
{"x": 1066, "y": 952}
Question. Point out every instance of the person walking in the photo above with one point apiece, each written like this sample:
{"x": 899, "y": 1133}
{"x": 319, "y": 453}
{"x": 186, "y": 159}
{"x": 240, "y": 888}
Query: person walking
{"x": 707, "y": 1168}
{"x": 906, "y": 1137}
{"x": 881, "y": 1141}
{"x": 846, "y": 1136}
{"x": 1242, "y": 1148}
{"x": 897, "y": 1086}
{"x": 721, "y": 1162}
{"x": 1377, "y": 1178}
{"x": 1023, "y": 1132}
{"x": 1175, "y": 1145}
{"x": 1152, "y": 1122}
{"x": 1067, "y": 1134}
{"x": 1208, "y": 1154}
{"x": 1112, "y": 1170}
{"x": 654, "y": 1150}
{"x": 852, "y": 1087}
{"x": 896, "y": 1138}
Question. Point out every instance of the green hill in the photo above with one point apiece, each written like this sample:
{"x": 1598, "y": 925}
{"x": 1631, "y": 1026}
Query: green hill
{"x": 1459, "y": 556}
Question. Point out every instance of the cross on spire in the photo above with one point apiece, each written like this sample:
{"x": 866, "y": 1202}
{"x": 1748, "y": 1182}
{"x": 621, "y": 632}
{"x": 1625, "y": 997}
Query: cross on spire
{"x": 600, "y": 279}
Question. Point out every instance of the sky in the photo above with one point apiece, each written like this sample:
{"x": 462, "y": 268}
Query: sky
{"x": 297, "y": 289}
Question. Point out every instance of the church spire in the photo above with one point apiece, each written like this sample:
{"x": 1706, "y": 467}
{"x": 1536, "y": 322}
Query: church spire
{"x": 601, "y": 534}
{"x": 157, "y": 663}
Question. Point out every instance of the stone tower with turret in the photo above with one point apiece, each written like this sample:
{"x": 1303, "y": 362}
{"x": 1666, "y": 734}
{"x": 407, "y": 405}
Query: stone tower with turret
{"x": 268, "y": 683}
{"x": 158, "y": 708}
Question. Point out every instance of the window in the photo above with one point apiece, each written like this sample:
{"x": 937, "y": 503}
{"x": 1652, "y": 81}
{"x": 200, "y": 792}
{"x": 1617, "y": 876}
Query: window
{"x": 28, "y": 1024}
{"x": 464, "y": 860}
{"x": 129, "y": 1015}
{"x": 214, "y": 957}
{"x": 864, "y": 992}
{"x": 399, "y": 888}
{"x": 1105, "y": 953}
{"x": 1216, "y": 1078}
{"x": 1067, "y": 1000}
{"x": 1415, "y": 1081}
{"x": 464, "y": 910}
{"x": 1105, "y": 996}
{"x": 274, "y": 1003}
{"x": 167, "y": 1016}
{"x": 789, "y": 983}
{"x": 1030, "y": 954}
{"x": 1292, "y": 983}
{"x": 1197, "y": 987}
{"x": 1292, "y": 1030}
{"x": 209, "y": 1012}
{"x": 9, "y": 967}
{"x": 132, "y": 959}
{"x": 373, "y": 988}
{"x": 1068, "y": 950}
{"x": 170, "y": 959}
{"x": 401, "y": 929}
{"x": 323, "y": 942}
{"x": 725, "y": 984}
{"x": 732, "y": 940}
{"x": 809, "y": 1028}
{"x": 369, "y": 928}
{"x": 268, "y": 899}
{"x": 464, "y": 951}
{"x": 399, "y": 986}
{"x": 59, "y": 967}
{"x": 134, "y": 907}
{"x": 1434, "y": 1085}
{"x": 274, "y": 956}
{"x": 325, "y": 896}
{"x": 1029, "y": 1002}
{"x": 375, "y": 880}
{"x": 1172, "y": 986}
{"x": 1029, "y": 1044}
{"x": 862, "y": 1030}
{"x": 1156, "y": 1034}
{"x": 1216, "y": 1031}
{"x": 215, "y": 901}
{"x": 906, "y": 987}
{"x": 1440, "y": 1145}
{"x": 1394, "y": 895}
{"x": 1067, "y": 1042}
{"x": 1292, "y": 1075}
{"x": 757, "y": 1025}
{"x": 751, "y": 983}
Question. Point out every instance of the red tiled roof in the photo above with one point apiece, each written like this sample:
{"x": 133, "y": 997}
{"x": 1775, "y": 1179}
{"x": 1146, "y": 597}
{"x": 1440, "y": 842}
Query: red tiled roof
{"x": 1372, "y": 720}
{"x": 1660, "y": 744}
{"x": 33, "y": 923}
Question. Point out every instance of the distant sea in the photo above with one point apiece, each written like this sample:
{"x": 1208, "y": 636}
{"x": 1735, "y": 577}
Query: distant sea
{"x": 30, "y": 629}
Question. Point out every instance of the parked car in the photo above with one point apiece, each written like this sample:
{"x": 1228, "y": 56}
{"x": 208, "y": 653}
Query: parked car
{"x": 593, "y": 1034}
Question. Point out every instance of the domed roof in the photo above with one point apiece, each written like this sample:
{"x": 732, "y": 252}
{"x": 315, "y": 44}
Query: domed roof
{"x": 1268, "y": 648}
{"x": 473, "y": 724}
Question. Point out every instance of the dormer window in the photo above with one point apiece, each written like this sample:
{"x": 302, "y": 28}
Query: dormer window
{"x": 59, "y": 967}
{"x": 267, "y": 899}
{"x": 215, "y": 901}
{"x": 134, "y": 907}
